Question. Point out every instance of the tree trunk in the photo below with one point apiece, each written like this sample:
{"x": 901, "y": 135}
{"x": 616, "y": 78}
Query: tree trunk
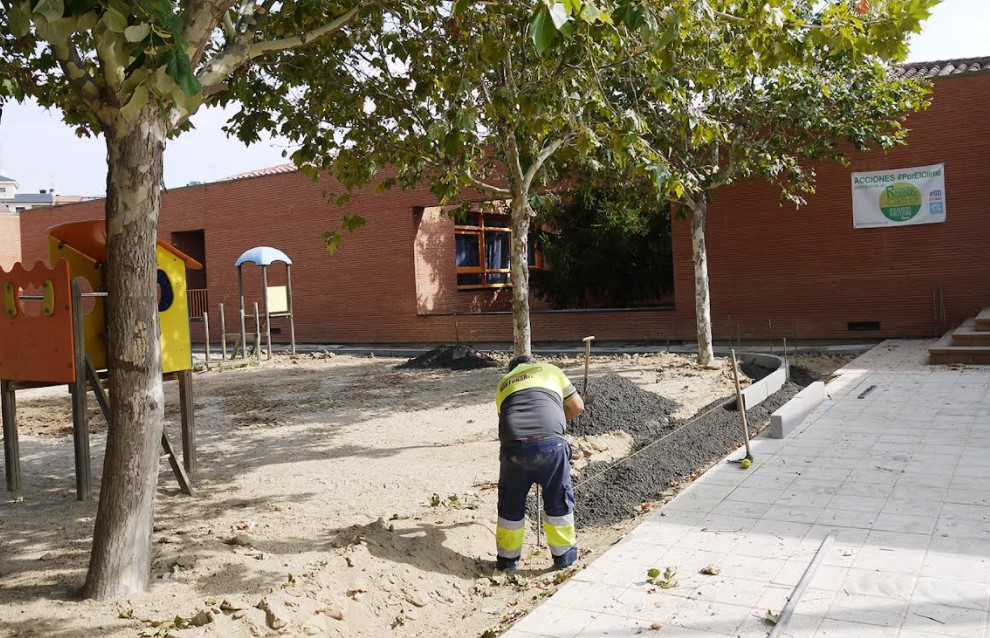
{"x": 519, "y": 265}
{"x": 702, "y": 299}
{"x": 121, "y": 560}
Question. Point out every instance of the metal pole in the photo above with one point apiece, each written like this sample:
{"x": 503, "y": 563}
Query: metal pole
{"x": 240, "y": 288}
{"x": 292, "y": 317}
{"x": 257, "y": 333}
{"x": 80, "y": 426}
{"x": 223, "y": 336}
{"x": 268, "y": 318}
{"x": 206, "y": 326}
{"x": 740, "y": 404}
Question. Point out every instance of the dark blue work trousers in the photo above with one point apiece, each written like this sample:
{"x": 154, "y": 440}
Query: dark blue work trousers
{"x": 545, "y": 462}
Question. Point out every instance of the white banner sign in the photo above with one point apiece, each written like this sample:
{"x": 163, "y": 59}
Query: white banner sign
{"x": 899, "y": 197}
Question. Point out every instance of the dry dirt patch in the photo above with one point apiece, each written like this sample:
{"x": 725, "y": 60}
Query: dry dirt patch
{"x": 336, "y": 497}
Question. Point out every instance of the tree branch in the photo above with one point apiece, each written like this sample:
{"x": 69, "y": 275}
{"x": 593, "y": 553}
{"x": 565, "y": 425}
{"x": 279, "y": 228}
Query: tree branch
{"x": 200, "y": 18}
{"x": 240, "y": 52}
{"x": 537, "y": 164}
{"x": 261, "y": 48}
{"x": 488, "y": 188}
{"x": 81, "y": 81}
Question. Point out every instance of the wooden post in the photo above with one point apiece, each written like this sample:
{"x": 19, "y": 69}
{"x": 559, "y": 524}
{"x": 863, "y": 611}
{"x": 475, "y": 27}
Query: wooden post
{"x": 80, "y": 425}
{"x": 292, "y": 317}
{"x": 188, "y": 416}
{"x": 223, "y": 336}
{"x": 11, "y": 449}
{"x": 240, "y": 287}
{"x": 101, "y": 397}
{"x": 206, "y": 327}
{"x": 740, "y": 405}
{"x": 268, "y": 318}
{"x": 243, "y": 344}
{"x": 257, "y": 333}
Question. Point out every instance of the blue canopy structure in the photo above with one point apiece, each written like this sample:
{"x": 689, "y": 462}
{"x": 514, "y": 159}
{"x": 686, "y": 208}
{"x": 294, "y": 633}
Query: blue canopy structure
{"x": 277, "y": 300}
{"x": 262, "y": 256}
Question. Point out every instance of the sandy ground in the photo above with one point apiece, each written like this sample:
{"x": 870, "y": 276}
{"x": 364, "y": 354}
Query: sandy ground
{"x": 336, "y": 497}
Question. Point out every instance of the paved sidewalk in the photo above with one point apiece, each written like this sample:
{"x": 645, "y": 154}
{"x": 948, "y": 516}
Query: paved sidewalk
{"x": 896, "y": 463}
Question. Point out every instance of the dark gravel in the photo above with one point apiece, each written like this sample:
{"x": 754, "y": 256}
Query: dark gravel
{"x": 615, "y": 495}
{"x": 804, "y": 376}
{"x": 616, "y": 403}
{"x": 755, "y": 371}
{"x": 455, "y": 357}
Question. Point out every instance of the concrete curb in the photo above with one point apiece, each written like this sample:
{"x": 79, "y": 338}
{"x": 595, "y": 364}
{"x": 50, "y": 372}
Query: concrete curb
{"x": 765, "y": 387}
{"x": 792, "y": 413}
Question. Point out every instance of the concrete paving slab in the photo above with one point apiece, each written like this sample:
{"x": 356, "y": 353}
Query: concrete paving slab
{"x": 893, "y": 463}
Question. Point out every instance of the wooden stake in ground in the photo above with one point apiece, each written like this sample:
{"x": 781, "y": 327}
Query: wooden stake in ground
{"x": 257, "y": 334}
{"x": 539, "y": 523}
{"x": 587, "y": 357}
{"x": 740, "y": 405}
{"x": 206, "y": 329}
{"x": 223, "y": 336}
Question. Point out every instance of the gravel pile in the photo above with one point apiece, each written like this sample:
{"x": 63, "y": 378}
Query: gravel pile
{"x": 456, "y": 357}
{"x": 616, "y": 403}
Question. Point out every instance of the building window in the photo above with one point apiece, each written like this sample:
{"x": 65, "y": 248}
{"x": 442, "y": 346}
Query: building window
{"x": 483, "y": 244}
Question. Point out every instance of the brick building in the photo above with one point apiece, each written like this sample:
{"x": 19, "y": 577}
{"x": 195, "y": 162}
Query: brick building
{"x": 775, "y": 271}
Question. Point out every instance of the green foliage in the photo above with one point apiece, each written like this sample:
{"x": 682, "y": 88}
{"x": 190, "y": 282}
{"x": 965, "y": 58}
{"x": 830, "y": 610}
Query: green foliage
{"x": 605, "y": 248}
{"x": 767, "y": 90}
{"x": 664, "y": 580}
{"x": 162, "y": 628}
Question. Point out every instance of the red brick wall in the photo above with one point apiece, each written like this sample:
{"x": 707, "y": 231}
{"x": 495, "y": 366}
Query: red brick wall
{"x": 777, "y": 271}
{"x": 774, "y": 271}
{"x": 10, "y": 239}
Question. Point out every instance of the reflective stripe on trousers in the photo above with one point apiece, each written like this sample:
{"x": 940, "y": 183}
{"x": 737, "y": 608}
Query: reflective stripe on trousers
{"x": 509, "y": 537}
{"x": 561, "y": 536}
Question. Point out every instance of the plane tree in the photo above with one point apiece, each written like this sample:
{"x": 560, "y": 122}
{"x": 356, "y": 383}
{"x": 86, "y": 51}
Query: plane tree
{"x": 725, "y": 106}
{"x": 133, "y": 73}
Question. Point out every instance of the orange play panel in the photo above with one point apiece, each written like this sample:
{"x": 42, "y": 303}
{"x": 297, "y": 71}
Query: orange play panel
{"x": 37, "y": 348}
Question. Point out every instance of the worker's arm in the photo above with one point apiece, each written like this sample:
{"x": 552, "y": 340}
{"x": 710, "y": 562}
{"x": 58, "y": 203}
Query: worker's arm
{"x": 573, "y": 406}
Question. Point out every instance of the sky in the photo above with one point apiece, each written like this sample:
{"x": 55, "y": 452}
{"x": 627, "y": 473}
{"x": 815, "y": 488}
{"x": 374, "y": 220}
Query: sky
{"x": 40, "y": 152}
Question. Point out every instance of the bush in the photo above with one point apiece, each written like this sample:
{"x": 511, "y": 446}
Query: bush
{"x": 604, "y": 248}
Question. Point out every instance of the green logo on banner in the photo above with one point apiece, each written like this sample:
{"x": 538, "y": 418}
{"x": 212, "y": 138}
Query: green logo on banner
{"x": 900, "y": 202}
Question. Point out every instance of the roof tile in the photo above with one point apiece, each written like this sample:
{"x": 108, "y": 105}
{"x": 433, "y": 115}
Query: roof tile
{"x": 943, "y": 68}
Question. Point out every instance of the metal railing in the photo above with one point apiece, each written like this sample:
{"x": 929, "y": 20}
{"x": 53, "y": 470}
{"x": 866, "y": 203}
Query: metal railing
{"x": 198, "y": 303}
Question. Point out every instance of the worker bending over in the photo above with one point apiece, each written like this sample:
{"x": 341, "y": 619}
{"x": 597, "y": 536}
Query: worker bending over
{"x": 534, "y": 402}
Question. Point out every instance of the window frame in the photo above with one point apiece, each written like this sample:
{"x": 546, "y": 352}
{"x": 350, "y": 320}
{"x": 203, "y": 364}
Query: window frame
{"x": 478, "y": 230}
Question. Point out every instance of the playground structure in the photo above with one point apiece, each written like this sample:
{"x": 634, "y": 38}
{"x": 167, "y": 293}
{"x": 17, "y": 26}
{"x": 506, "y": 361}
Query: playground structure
{"x": 277, "y": 300}
{"x": 62, "y": 344}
